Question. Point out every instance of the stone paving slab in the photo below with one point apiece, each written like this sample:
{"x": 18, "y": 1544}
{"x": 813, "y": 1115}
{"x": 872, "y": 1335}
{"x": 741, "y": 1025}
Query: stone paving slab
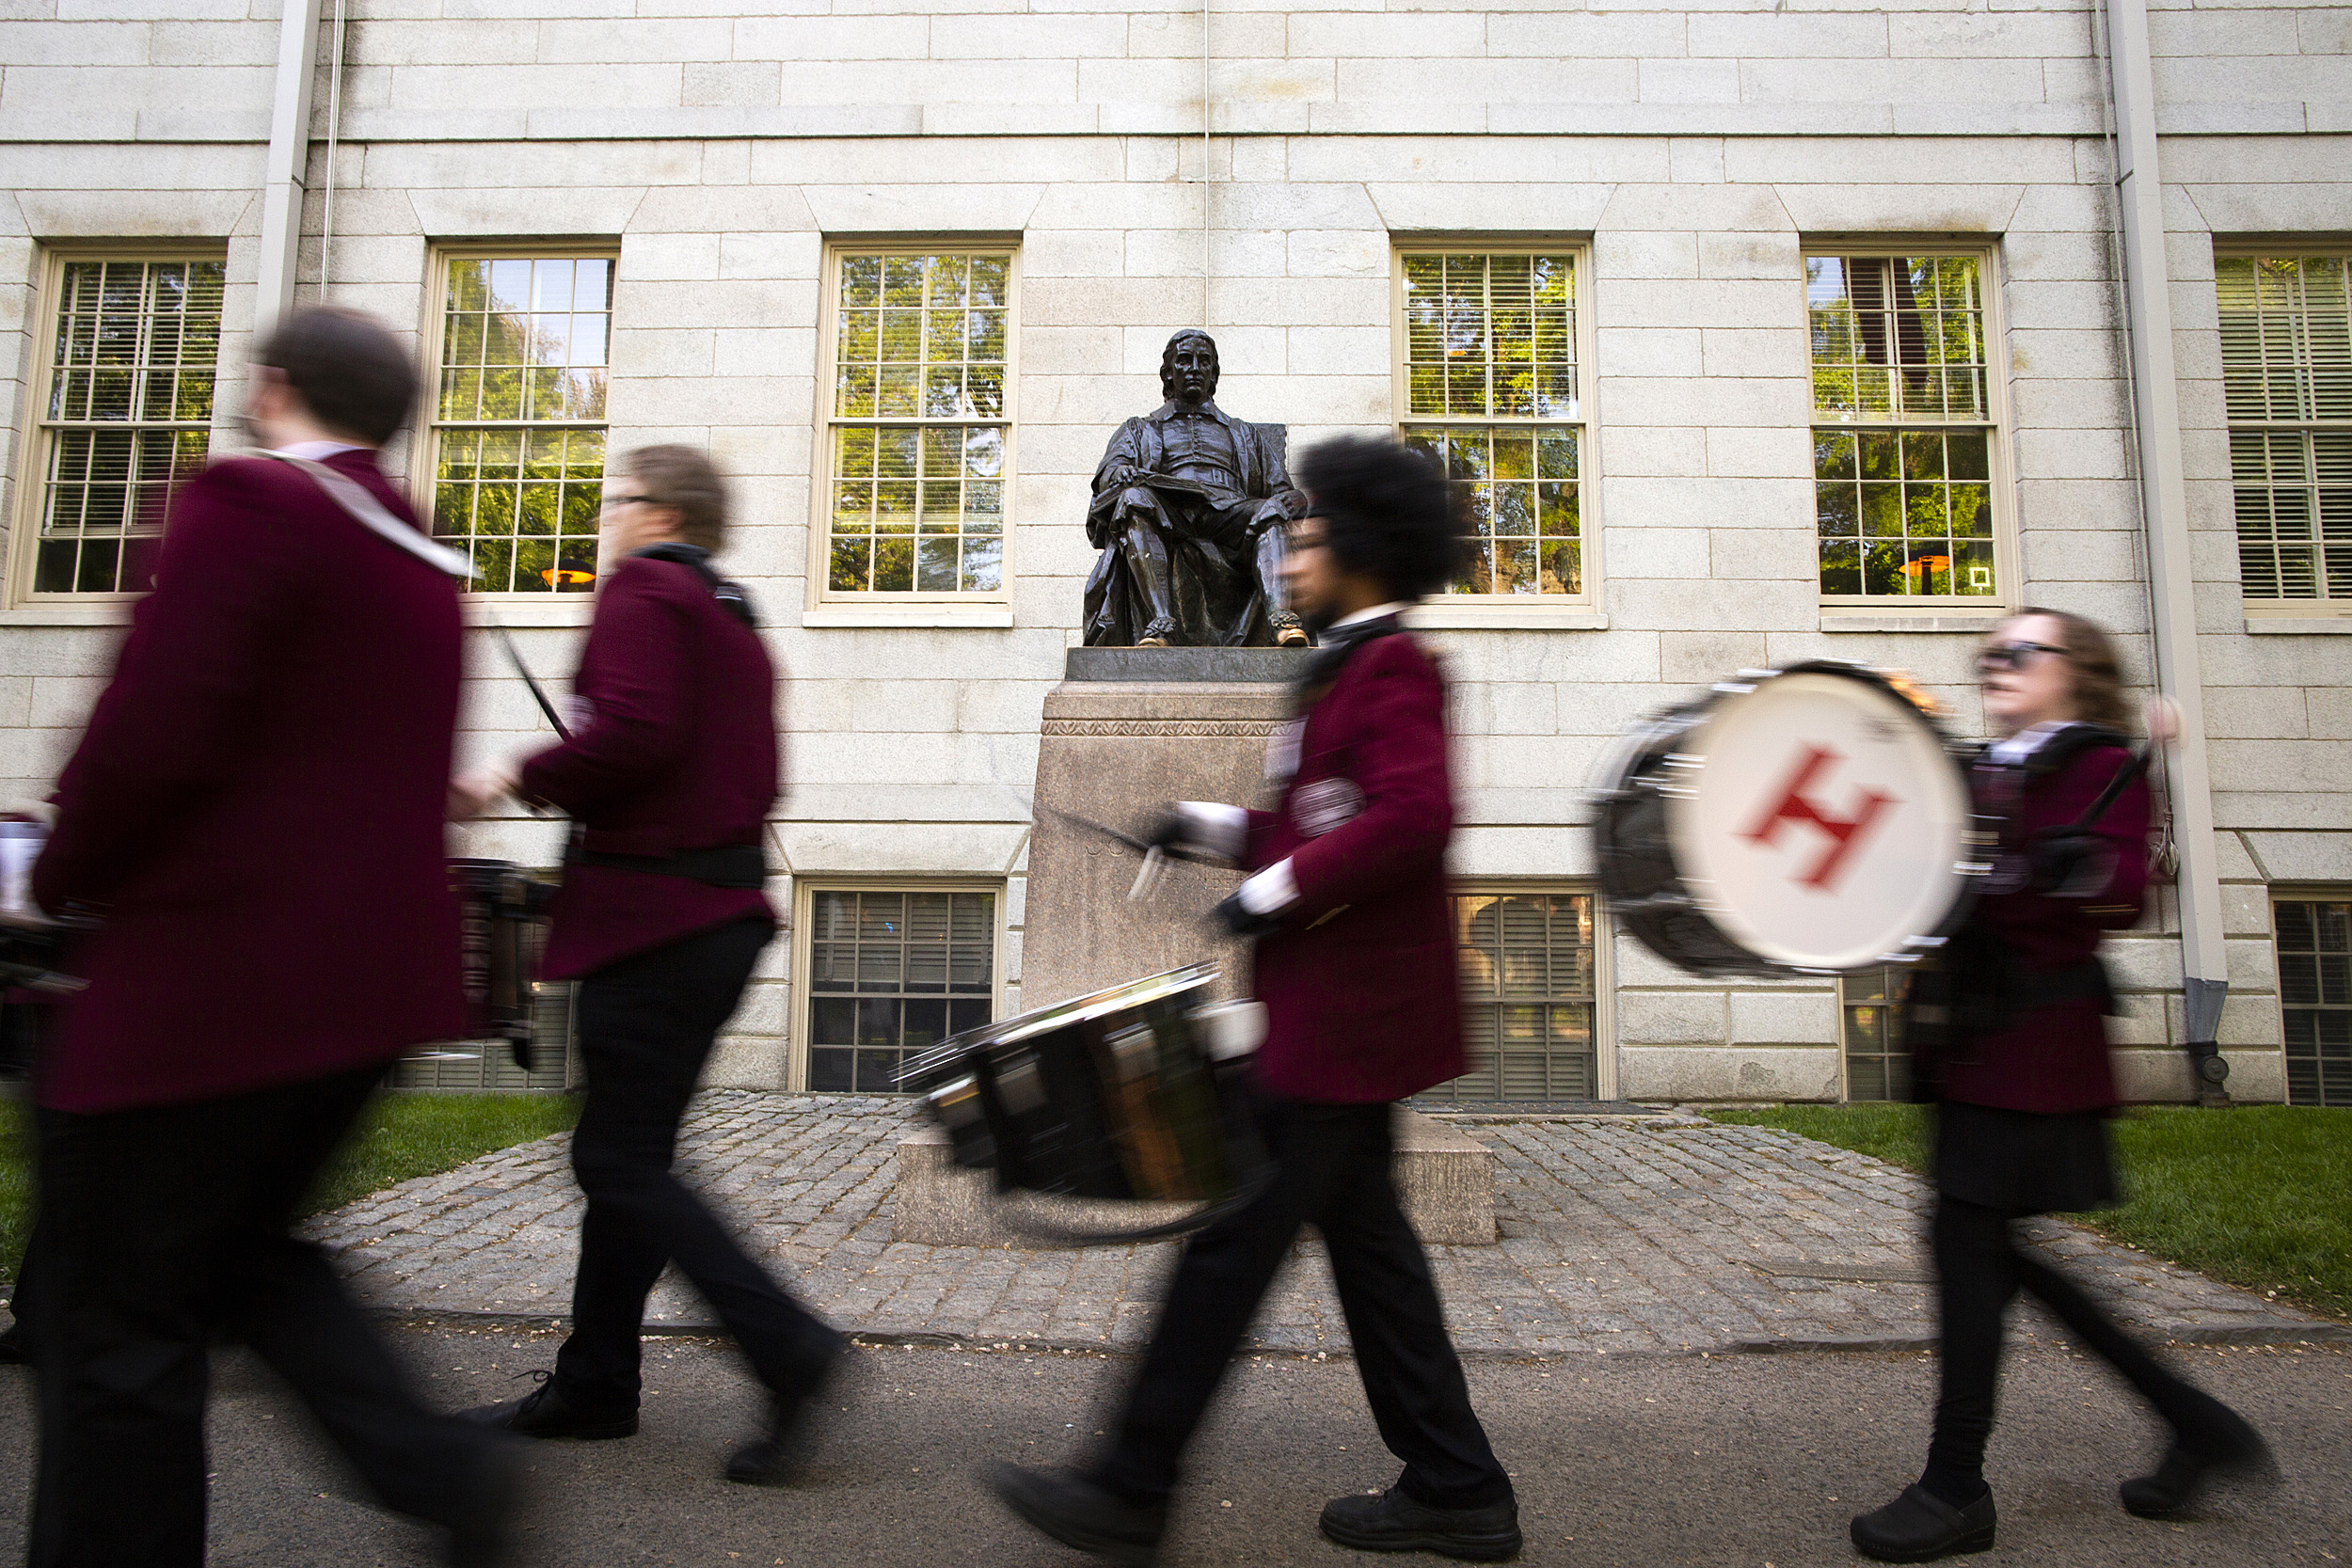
{"x": 1620, "y": 1234}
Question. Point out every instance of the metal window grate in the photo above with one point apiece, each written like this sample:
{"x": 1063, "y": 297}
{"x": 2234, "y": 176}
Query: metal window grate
{"x": 2316, "y": 999}
{"x": 890, "y": 974}
{"x": 1903, "y": 512}
{"x": 1493, "y": 338}
{"x": 2286, "y": 367}
{"x": 519, "y": 419}
{"x": 1878, "y": 1060}
{"x": 1527, "y": 997}
{"x": 919, "y": 428}
{"x": 127, "y": 417}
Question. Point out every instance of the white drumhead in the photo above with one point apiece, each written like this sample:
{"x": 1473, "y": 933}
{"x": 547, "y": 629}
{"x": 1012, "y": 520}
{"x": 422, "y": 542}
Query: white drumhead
{"x": 1825, "y": 825}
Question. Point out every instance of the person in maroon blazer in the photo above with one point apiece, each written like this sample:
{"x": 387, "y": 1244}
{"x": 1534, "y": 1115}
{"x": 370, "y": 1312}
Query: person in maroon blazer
{"x": 2023, "y": 1081}
{"x": 668, "y": 776}
{"x": 255, "y": 811}
{"x": 1355, "y": 962}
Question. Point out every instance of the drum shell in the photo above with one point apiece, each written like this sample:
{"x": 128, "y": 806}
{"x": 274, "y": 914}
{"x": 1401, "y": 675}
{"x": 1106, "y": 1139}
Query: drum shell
{"x": 1123, "y": 1103}
{"x": 502, "y": 930}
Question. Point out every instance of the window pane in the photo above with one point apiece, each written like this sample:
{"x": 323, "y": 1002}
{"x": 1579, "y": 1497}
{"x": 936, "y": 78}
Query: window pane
{"x": 2315, "y": 997}
{"x": 1527, "y": 988}
{"x": 1878, "y": 1061}
{"x": 919, "y": 337}
{"x": 1526, "y": 531}
{"x": 128, "y": 416}
{"x": 519, "y": 437}
{"x": 2286, "y": 359}
{"x": 903, "y": 956}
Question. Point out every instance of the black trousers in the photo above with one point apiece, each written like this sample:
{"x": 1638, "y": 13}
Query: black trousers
{"x": 1331, "y": 1170}
{"x": 1980, "y": 1269}
{"x": 646, "y": 1024}
{"x": 157, "y": 1227}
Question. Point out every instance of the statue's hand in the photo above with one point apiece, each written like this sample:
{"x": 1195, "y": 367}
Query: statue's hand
{"x": 1118, "y": 477}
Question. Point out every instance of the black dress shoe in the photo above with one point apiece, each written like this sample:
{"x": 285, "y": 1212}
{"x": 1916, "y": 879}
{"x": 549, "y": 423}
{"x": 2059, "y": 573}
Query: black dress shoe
{"x": 1077, "y": 1513}
{"x": 2223, "y": 1445}
{"x": 1920, "y": 1527}
{"x": 545, "y": 1413}
{"x": 776, "y": 1455}
{"x": 1391, "y": 1522}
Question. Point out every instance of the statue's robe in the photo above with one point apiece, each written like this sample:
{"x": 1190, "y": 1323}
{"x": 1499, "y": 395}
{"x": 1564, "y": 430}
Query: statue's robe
{"x": 1212, "y": 540}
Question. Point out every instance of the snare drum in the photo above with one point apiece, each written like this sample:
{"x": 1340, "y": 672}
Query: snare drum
{"x": 1132, "y": 1093}
{"x": 502, "y": 928}
{"x": 1808, "y": 821}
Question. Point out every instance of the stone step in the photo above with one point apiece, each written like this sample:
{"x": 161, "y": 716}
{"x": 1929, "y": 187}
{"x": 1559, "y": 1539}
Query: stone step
{"x": 1444, "y": 1177}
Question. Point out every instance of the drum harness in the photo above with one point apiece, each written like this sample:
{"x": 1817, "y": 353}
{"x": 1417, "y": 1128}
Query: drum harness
{"x": 1978, "y": 988}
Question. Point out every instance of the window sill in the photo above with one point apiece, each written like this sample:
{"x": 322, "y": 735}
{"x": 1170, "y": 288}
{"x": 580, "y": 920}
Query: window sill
{"x": 1958, "y": 620}
{"x": 2298, "y": 626}
{"x": 1443, "y": 616}
{"x": 966, "y": 616}
{"x": 109, "y": 613}
{"x": 572, "y": 609}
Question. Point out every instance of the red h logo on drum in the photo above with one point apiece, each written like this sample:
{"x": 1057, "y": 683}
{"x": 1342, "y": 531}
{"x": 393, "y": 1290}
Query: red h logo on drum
{"x": 1795, "y": 805}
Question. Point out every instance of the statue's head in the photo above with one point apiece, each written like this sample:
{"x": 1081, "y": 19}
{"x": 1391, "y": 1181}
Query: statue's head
{"x": 1188, "y": 367}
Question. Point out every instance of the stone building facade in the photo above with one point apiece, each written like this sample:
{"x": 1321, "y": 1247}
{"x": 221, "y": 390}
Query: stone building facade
{"x": 1784, "y": 242}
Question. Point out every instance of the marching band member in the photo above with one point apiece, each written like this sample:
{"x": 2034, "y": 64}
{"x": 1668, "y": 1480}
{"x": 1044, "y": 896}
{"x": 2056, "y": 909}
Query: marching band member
{"x": 669, "y": 775}
{"x": 1355, "y": 962}
{"x": 2024, "y": 1082}
{"x": 257, "y": 808}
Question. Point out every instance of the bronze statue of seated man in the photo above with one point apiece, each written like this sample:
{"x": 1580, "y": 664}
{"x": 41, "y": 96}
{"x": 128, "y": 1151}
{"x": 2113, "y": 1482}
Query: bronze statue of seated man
{"x": 1188, "y": 510}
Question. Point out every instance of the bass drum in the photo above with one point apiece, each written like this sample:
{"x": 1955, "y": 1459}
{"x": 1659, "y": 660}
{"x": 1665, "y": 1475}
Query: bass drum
{"x": 1810, "y": 821}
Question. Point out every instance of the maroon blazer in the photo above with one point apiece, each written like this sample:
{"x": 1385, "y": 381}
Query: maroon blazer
{"x": 677, "y": 749}
{"x": 1360, "y": 984}
{"x": 259, "y": 803}
{"x": 2054, "y": 1057}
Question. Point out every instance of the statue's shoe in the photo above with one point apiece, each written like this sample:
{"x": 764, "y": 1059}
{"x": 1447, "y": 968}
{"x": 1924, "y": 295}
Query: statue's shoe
{"x": 1288, "y": 633}
{"x": 1156, "y": 634}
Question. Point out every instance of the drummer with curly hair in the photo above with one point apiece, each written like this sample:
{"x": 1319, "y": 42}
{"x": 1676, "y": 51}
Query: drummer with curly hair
{"x": 2023, "y": 1085}
{"x": 1354, "y": 963}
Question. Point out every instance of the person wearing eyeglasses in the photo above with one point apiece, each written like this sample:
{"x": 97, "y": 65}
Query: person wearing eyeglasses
{"x": 668, "y": 776}
{"x": 1354, "y": 959}
{"x": 2011, "y": 1042}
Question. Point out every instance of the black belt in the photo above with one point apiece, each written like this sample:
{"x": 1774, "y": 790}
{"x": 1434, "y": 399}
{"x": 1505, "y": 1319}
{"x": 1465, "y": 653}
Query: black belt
{"x": 730, "y": 865}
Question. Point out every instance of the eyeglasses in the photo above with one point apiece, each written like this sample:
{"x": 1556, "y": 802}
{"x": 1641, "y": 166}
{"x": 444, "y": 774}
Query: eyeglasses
{"x": 2011, "y": 655}
{"x": 611, "y": 502}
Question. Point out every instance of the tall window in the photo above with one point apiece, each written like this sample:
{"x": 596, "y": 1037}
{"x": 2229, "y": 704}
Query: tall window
{"x": 518, "y": 420}
{"x": 1528, "y": 996}
{"x": 891, "y": 974}
{"x": 1488, "y": 382}
{"x": 123, "y": 413}
{"x": 2315, "y": 997}
{"x": 918, "y": 422}
{"x": 1904, "y": 434}
{"x": 2286, "y": 367}
{"x": 1878, "y": 1063}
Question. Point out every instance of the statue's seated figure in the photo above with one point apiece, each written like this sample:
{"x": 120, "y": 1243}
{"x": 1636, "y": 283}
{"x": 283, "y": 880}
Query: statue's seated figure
{"x": 1188, "y": 510}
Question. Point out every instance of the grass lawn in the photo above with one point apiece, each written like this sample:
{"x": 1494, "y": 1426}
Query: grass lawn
{"x": 399, "y": 1137}
{"x": 2260, "y": 1195}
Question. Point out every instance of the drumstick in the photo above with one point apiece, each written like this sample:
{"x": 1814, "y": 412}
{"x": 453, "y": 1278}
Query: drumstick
{"x": 514, "y": 655}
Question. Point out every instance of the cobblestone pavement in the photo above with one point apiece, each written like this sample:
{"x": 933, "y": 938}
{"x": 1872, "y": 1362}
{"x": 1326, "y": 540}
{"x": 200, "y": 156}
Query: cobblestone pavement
{"x": 1620, "y": 1234}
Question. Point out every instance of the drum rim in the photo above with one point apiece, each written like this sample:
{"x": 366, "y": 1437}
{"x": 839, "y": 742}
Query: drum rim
{"x": 1058, "y": 1015}
{"x": 1660, "y": 734}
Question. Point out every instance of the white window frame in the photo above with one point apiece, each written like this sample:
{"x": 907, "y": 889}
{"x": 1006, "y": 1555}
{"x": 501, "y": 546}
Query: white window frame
{"x": 2322, "y": 610}
{"x": 1845, "y": 1077}
{"x": 915, "y": 608}
{"x": 801, "y": 996}
{"x": 1604, "y": 957}
{"x": 1559, "y": 611}
{"x": 24, "y": 515}
{"x": 1954, "y": 612}
{"x": 546, "y": 610}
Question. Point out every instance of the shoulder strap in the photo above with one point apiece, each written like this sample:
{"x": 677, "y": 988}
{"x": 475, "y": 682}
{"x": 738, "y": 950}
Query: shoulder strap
{"x": 730, "y": 593}
{"x": 376, "y": 519}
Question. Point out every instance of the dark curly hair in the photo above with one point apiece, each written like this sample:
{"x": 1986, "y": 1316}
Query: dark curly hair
{"x": 1387, "y": 512}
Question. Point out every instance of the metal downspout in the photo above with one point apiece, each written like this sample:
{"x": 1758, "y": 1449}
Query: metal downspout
{"x": 286, "y": 164}
{"x": 2163, "y": 508}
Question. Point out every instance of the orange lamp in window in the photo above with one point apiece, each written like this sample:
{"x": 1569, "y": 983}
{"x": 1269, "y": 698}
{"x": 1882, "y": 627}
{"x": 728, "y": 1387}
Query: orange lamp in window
{"x": 565, "y": 576}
